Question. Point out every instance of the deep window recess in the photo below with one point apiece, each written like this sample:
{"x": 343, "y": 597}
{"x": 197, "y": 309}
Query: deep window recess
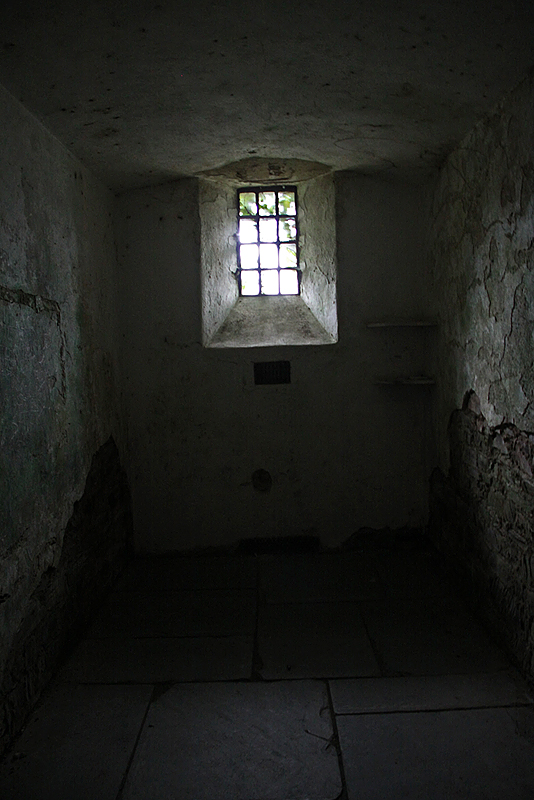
{"x": 267, "y": 241}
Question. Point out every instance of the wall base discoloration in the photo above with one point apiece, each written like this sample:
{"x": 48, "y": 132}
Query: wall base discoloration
{"x": 482, "y": 519}
{"x": 95, "y": 544}
{"x": 59, "y": 398}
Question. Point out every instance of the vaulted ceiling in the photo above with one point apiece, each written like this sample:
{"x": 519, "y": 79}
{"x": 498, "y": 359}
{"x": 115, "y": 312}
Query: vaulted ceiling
{"x": 143, "y": 92}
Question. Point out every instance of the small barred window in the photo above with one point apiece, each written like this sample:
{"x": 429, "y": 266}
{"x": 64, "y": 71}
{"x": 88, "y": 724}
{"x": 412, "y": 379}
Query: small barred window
{"x": 267, "y": 241}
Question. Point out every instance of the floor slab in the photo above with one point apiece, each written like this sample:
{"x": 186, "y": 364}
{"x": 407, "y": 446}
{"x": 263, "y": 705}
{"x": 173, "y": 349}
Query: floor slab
{"x": 241, "y": 741}
{"x": 203, "y": 613}
{"x": 379, "y": 695}
{"x": 168, "y": 573}
{"x": 312, "y": 640}
{"x": 429, "y": 638}
{"x": 160, "y": 660}
{"x": 410, "y": 575}
{"x": 400, "y": 653}
{"x": 77, "y": 744}
{"x": 319, "y": 578}
{"x": 482, "y": 754}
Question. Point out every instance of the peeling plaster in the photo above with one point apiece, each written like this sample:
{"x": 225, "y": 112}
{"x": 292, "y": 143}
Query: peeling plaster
{"x": 481, "y": 239}
{"x": 482, "y": 516}
{"x": 58, "y": 402}
{"x": 38, "y": 304}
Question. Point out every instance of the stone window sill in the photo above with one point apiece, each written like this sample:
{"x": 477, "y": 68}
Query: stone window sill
{"x": 270, "y": 321}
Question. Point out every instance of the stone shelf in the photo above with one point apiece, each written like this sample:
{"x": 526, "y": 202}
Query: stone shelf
{"x": 402, "y": 323}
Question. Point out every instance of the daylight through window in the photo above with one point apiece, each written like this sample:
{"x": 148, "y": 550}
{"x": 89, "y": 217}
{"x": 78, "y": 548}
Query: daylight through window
{"x": 267, "y": 241}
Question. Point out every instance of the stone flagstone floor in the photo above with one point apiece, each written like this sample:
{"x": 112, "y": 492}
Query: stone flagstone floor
{"x": 354, "y": 675}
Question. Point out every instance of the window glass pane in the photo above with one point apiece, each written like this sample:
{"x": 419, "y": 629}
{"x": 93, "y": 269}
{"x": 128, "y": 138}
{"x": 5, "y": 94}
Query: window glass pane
{"x": 249, "y": 256}
{"x": 268, "y": 256}
{"x": 267, "y": 203}
{"x": 288, "y": 255}
{"x": 247, "y": 204}
{"x": 250, "y": 282}
{"x": 286, "y": 203}
{"x": 269, "y": 282}
{"x": 288, "y": 229}
{"x": 248, "y": 230}
{"x": 289, "y": 282}
{"x": 268, "y": 230}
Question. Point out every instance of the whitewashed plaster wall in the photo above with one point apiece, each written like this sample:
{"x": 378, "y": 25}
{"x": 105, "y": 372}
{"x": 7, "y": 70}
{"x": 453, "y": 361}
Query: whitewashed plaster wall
{"x": 343, "y": 453}
{"x": 58, "y": 358}
{"x": 482, "y": 268}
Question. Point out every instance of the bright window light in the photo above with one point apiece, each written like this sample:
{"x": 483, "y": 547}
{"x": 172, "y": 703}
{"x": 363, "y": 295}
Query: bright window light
{"x": 289, "y": 281}
{"x": 267, "y": 241}
{"x": 250, "y": 282}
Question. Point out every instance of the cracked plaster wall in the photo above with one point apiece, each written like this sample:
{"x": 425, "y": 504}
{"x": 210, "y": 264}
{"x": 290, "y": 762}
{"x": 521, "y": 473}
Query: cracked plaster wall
{"x": 342, "y": 452}
{"x": 57, "y": 394}
{"x": 482, "y": 248}
{"x": 482, "y": 245}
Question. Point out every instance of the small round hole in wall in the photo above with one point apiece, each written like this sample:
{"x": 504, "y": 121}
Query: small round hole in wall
{"x": 262, "y": 481}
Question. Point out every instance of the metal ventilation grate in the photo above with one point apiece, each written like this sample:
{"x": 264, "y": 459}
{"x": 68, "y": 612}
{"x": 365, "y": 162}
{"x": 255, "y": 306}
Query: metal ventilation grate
{"x": 269, "y": 372}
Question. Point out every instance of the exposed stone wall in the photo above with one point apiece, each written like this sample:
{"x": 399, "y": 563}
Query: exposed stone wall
{"x": 96, "y": 542}
{"x": 482, "y": 518}
{"x": 482, "y": 269}
{"x": 58, "y": 397}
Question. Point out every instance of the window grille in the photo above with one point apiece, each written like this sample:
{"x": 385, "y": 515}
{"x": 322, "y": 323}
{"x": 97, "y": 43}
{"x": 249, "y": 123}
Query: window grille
{"x": 267, "y": 241}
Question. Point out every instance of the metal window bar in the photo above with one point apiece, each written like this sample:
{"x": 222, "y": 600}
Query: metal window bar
{"x": 278, "y": 216}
